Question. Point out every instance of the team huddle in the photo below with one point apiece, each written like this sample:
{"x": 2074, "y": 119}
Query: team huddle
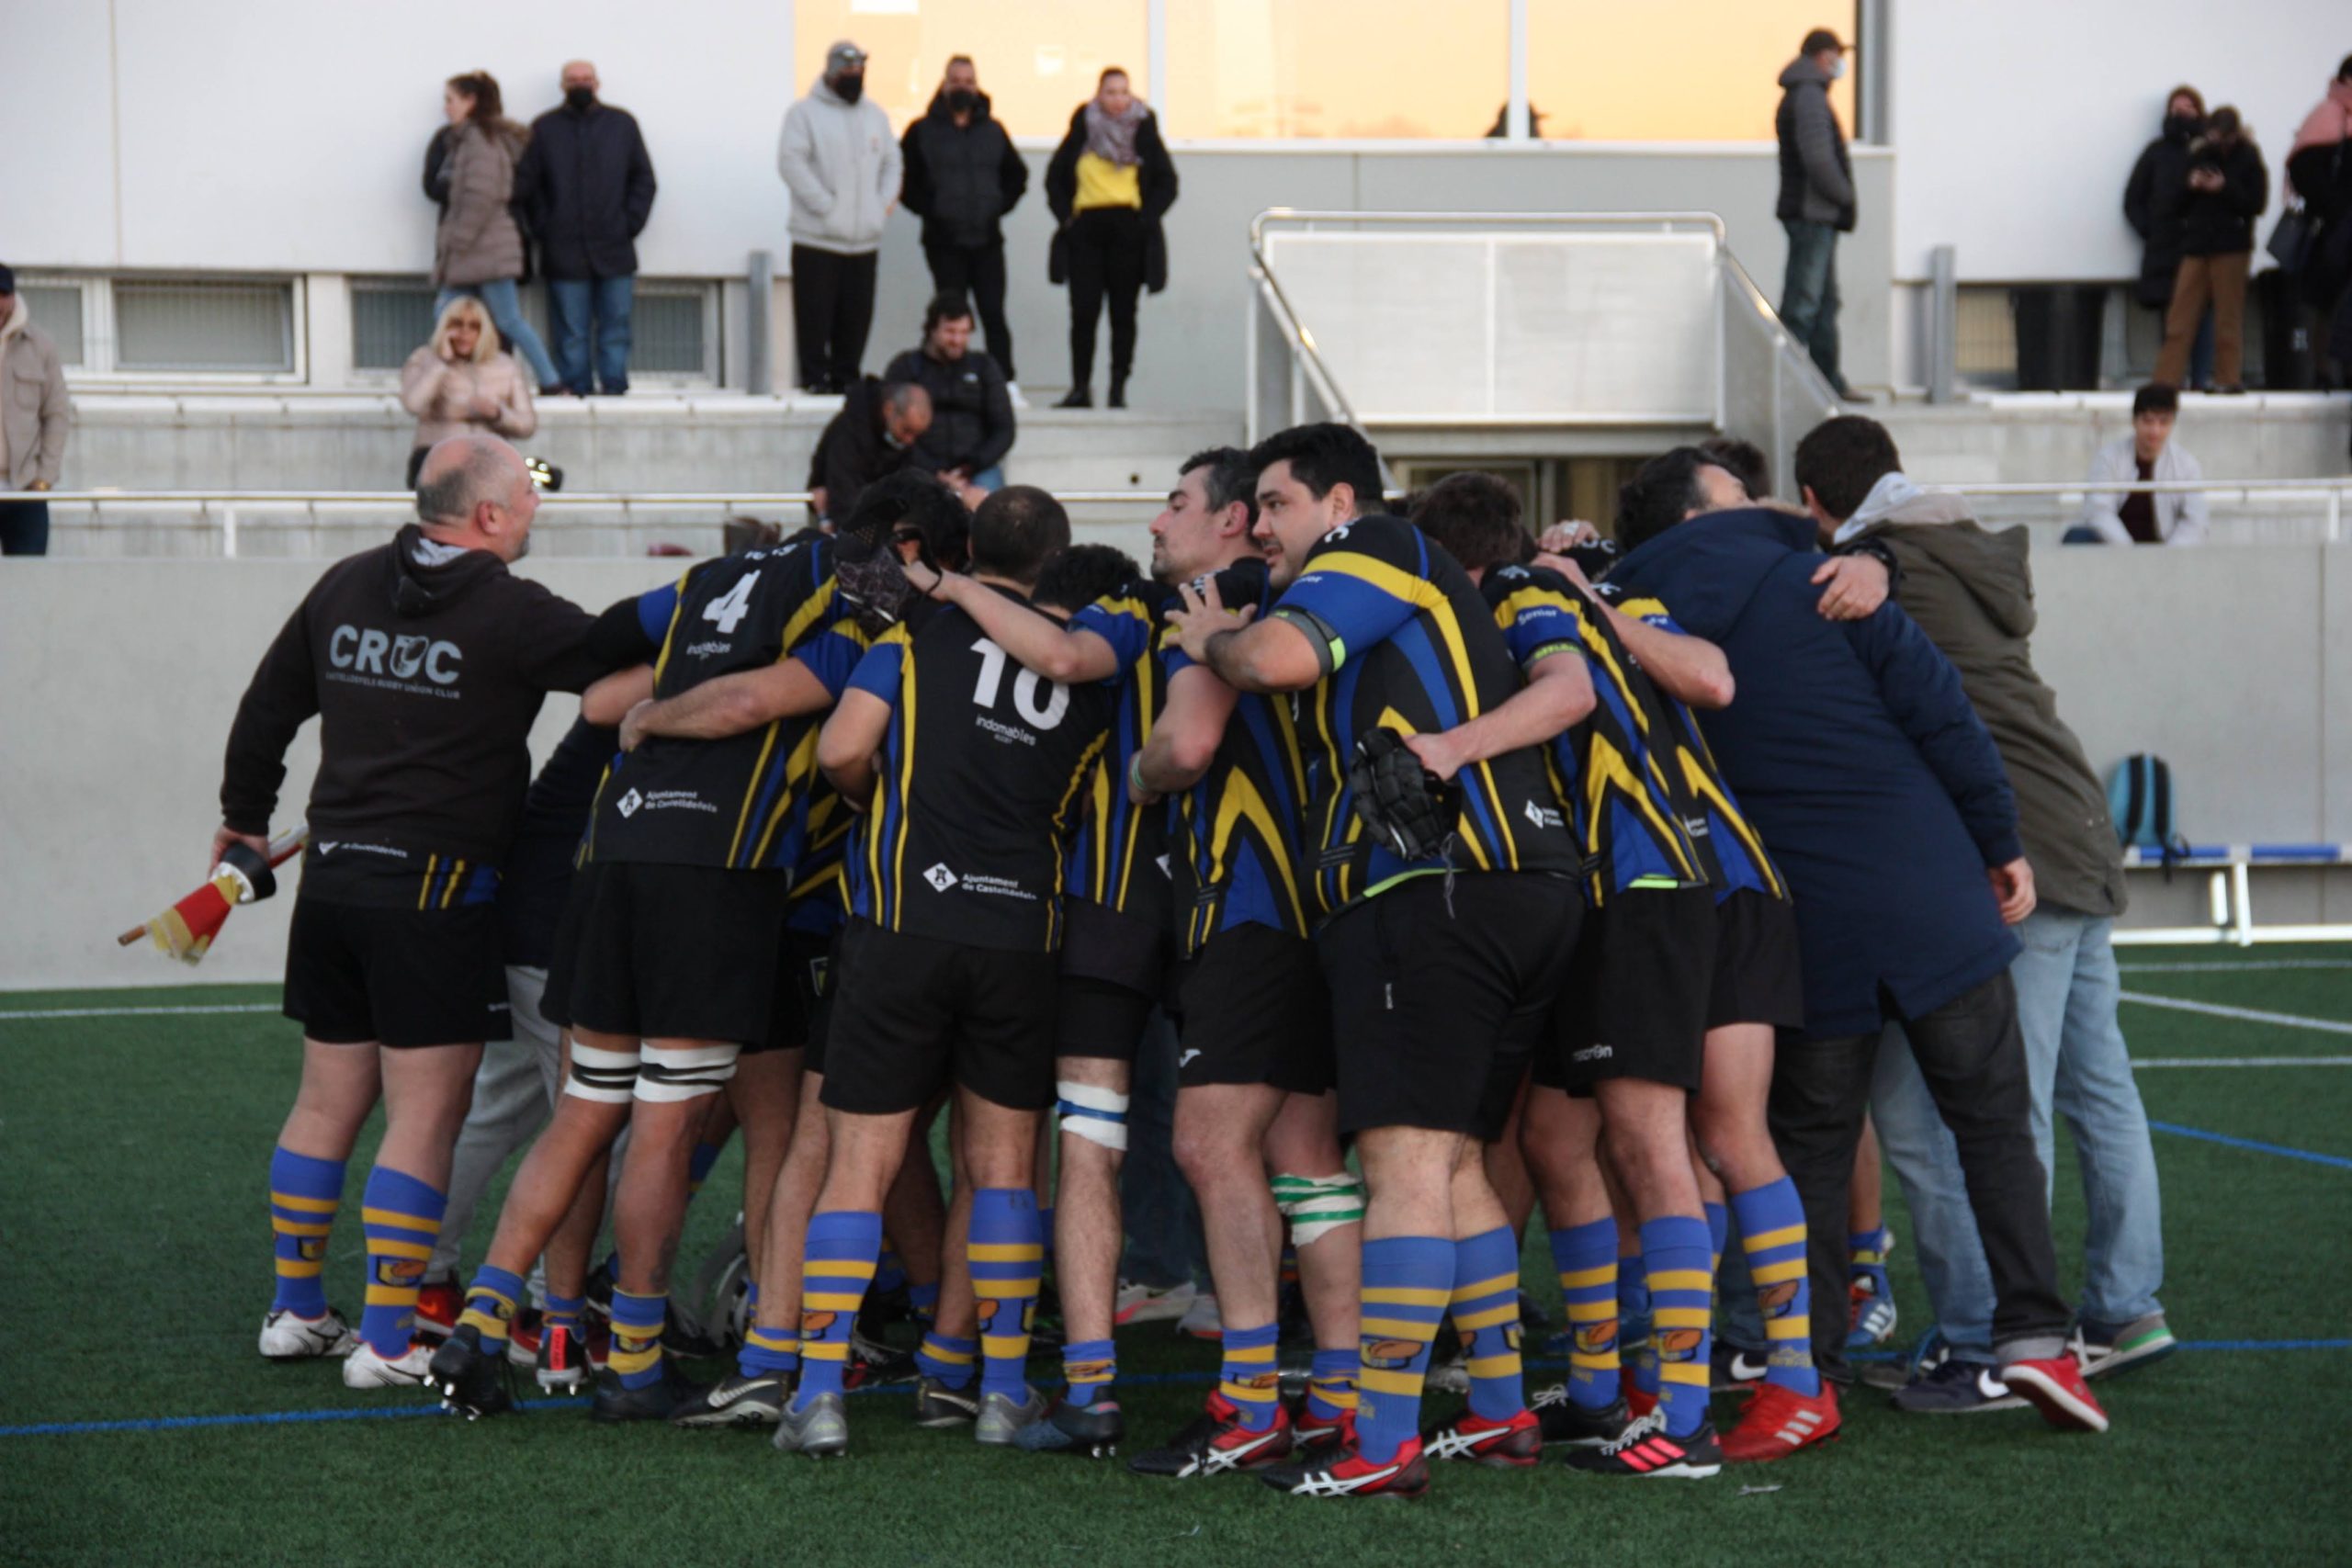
{"x": 1411, "y": 827}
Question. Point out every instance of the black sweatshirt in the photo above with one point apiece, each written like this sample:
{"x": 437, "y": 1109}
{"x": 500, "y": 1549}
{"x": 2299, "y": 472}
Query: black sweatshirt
{"x": 427, "y": 675}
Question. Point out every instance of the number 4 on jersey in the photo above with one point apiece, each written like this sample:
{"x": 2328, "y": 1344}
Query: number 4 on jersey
{"x": 730, "y": 608}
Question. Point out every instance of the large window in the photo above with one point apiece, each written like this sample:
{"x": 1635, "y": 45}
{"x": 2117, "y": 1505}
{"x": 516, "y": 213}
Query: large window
{"x": 204, "y": 327}
{"x": 1037, "y": 59}
{"x": 1698, "y": 71}
{"x": 1337, "y": 68}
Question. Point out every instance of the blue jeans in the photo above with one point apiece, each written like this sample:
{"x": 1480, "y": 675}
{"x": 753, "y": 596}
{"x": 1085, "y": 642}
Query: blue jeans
{"x": 990, "y": 479}
{"x": 1809, "y": 294}
{"x": 2078, "y": 1063}
{"x": 504, "y": 302}
{"x": 573, "y": 304}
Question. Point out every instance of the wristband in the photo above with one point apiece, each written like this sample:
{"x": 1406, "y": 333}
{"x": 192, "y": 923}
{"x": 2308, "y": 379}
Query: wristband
{"x": 1134, "y": 775}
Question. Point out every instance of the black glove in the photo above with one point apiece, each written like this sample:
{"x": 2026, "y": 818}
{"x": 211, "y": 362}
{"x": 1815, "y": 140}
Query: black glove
{"x": 1408, "y": 809}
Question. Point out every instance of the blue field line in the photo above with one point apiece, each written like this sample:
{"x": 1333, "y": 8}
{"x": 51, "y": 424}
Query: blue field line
{"x": 1143, "y": 1380}
{"x": 2338, "y": 1161}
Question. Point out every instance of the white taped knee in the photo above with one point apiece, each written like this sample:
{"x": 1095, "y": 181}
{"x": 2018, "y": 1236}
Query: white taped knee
{"x": 607, "y": 1078}
{"x": 1318, "y": 1205}
{"x": 1098, "y": 1115}
{"x": 676, "y": 1073}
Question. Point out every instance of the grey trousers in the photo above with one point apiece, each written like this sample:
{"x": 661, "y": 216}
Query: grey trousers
{"x": 515, "y": 1092}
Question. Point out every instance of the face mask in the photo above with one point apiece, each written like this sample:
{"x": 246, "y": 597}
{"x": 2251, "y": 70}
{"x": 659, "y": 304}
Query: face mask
{"x": 850, "y": 88}
{"x": 1836, "y": 71}
{"x": 962, "y": 100}
{"x": 578, "y": 99}
{"x": 2181, "y": 126}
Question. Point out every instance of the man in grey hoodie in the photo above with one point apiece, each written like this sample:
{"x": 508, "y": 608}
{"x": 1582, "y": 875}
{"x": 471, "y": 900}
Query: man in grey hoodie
{"x": 1972, "y": 592}
{"x": 842, "y": 166}
{"x": 1816, "y": 201}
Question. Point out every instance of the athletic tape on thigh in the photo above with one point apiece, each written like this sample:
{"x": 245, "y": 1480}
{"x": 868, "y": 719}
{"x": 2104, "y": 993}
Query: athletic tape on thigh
{"x": 1098, "y": 1115}
{"x": 1318, "y": 1205}
{"x": 672, "y": 1073}
{"x": 609, "y": 1077}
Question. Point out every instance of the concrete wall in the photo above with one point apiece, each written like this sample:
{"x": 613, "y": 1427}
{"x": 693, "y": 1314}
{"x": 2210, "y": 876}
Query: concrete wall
{"x": 124, "y": 675}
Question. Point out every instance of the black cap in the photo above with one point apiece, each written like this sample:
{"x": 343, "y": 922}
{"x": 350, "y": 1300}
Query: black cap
{"x": 1819, "y": 39}
{"x": 7, "y": 279}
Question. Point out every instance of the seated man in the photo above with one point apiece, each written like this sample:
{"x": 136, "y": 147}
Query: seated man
{"x": 873, "y": 438}
{"x": 971, "y": 407}
{"x": 2140, "y": 517}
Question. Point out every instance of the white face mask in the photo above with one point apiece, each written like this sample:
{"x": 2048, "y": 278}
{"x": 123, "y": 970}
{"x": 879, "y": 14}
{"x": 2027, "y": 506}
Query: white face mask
{"x": 1837, "y": 70}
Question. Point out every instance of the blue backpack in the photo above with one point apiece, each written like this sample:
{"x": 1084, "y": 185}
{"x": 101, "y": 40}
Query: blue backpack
{"x": 2140, "y": 801}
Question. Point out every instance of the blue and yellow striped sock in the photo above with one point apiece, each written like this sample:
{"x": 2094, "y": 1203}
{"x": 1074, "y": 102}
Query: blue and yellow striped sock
{"x": 1718, "y": 1232}
{"x": 1408, "y": 1281}
{"x": 1007, "y": 1251}
{"x": 1866, "y": 1258}
{"x": 489, "y": 1303}
{"x": 1331, "y": 1383}
{"x": 766, "y": 1352}
{"x": 1674, "y": 1252}
{"x": 1772, "y": 1231}
{"x": 1586, "y": 1256}
{"x": 889, "y": 1274}
{"x": 1088, "y": 1366}
{"x": 1046, "y": 1230}
{"x": 1250, "y": 1377}
{"x": 1486, "y": 1313}
{"x": 946, "y": 1358}
{"x": 304, "y": 1193}
{"x": 923, "y": 1302}
{"x": 563, "y": 1312}
{"x": 402, "y": 1217}
{"x": 837, "y": 1265}
{"x": 698, "y": 1166}
{"x": 636, "y": 1355}
{"x": 1637, "y": 1336}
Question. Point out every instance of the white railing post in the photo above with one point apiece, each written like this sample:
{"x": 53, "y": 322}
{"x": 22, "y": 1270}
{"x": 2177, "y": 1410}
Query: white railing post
{"x": 229, "y": 531}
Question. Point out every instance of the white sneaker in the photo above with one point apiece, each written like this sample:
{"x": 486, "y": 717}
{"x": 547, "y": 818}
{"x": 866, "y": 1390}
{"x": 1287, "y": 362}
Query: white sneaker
{"x": 286, "y": 1337}
{"x": 1151, "y": 1303}
{"x": 368, "y": 1370}
{"x": 1013, "y": 390}
{"x": 1201, "y": 1320}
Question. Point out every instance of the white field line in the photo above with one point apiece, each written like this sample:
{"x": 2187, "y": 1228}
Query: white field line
{"x": 2244, "y": 1015}
{"x": 2239, "y": 967}
{"x": 2242, "y": 1061}
{"x": 140, "y": 1012}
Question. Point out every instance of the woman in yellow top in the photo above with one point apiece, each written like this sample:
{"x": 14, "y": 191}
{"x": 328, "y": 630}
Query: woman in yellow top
{"x": 1109, "y": 184}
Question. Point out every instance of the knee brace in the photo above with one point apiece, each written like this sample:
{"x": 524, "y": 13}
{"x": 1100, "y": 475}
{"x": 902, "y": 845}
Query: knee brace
{"x": 685, "y": 1072}
{"x": 1098, "y": 1115}
{"x": 1318, "y": 1205}
{"x": 608, "y": 1078}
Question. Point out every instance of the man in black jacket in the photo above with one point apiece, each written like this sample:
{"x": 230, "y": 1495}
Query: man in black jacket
{"x": 971, "y": 402}
{"x": 587, "y": 183}
{"x": 962, "y": 177}
{"x": 872, "y": 437}
{"x": 1816, "y": 199}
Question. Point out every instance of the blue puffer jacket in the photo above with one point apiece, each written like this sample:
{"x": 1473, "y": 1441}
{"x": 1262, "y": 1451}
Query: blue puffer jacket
{"x": 1857, "y": 756}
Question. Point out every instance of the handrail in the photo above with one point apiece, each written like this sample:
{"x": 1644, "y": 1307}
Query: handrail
{"x": 1712, "y": 221}
{"x": 558, "y": 499}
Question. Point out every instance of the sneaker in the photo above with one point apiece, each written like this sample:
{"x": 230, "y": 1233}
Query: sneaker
{"x": 1870, "y": 1316}
{"x": 1091, "y": 1431}
{"x": 1949, "y": 1386}
{"x": 1779, "y": 1421}
{"x": 523, "y": 1336}
{"x": 1310, "y": 1431}
{"x": 565, "y": 1356}
{"x": 2102, "y": 1350}
{"x": 1734, "y": 1367}
{"x": 1565, "y": 1422}
{"x": 286, "y": 1337}
{"x": 1201, "y": 1320}
{"x": 438, "y": 1304}
{"x": 937, "y": 1405}
{"x": 1448, "y": 1376}
{"x": 873, "y": 1364}
{"x": 821, "y": 1431}
{"x": 364, "y": 1369}
{"x": 1012, "y": 394}
{"x": 1001, "y": 1417}
{"x": 1348, "y": 1475}
{"x": 471, "y": 1380}
{"x": 736, "y": 1400}
{"x": 2055, "y": 1387}
{"x": 1077, "y": 398}
{"x": 1151, "y": 1303}
{"x": 1216, "y": 1441}
{"x": 1514, "y": 1444}
{"x": 1644, "y": 1450}
{"x": 657, "y": 1401}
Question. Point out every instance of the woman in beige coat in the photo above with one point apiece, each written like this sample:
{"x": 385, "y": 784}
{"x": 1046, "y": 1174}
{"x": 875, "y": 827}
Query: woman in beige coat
{"x": 460, "y": 381}
{"x": 478, "y": 247}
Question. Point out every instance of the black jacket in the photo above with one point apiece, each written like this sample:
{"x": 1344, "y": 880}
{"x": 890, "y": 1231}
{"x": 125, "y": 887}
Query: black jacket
{"x": 854, "y": 451}
{"x": 437, "y": 167}
{"x": 961, "y": 180}
{"x": 2220, "y": 223}
{"x": 2152, "y": 199}
{"x": 587, "y": 185}
{"x": 1158, "y": 182}
{"x": 971, "y": 411}
{"x": 1816, "y": 171}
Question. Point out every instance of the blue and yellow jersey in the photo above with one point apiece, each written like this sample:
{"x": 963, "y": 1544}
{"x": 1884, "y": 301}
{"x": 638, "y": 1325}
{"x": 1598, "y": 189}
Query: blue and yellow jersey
{"x": 1723, "y": 833}
{"x": 1616, "y": 770}
{"x": 1406, "y": 643}
{"x": 741, "y": 802}
{"x": 820, "y": 891}
{"x": 982, "y": 775}
{"x": 1118, "y": 853}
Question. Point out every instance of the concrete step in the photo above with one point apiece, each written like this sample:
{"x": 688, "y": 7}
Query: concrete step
{"x": 2029, "y": 437}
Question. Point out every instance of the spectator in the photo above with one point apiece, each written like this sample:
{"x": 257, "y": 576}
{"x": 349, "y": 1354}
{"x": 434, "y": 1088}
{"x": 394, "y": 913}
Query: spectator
{"x": 2152, "y": 199}
{"x": 460, "y": 383}
{"x": 872, "y": 437}
{"x": 33, "y": 415}
{"x": 2318, "y": 169}
{"x": 1816, "y": 201}
{"x": 2228, "y": 188}
{"x": 971, "y": 407}
{"x": 587, "y": 183}
{"x": 2138, "y": 517}
{"x": 963, "y": 177}
{"x": 478, "y": 248}
{"x": 1109, "y": 184}
{"x": 841, "y": 167}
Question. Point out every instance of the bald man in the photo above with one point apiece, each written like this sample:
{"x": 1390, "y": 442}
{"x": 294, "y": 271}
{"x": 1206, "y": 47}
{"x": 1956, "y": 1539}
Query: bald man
{"x": 587, "y": 183}
{"x": 873, "y": 438}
